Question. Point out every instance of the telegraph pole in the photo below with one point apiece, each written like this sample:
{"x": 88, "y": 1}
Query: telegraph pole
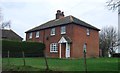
{"x": 119, "y": 27}
{"x": 1, "y": 18}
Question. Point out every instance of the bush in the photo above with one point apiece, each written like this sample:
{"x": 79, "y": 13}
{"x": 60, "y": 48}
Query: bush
{"x": 31, "y": 49}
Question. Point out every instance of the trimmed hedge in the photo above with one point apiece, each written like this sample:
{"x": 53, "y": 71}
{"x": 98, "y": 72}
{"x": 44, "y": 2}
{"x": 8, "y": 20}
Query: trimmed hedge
{"x": 31, "y": 49}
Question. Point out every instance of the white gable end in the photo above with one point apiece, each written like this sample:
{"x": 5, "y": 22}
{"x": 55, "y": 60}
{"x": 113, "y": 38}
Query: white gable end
{"x": 62, "y": 40}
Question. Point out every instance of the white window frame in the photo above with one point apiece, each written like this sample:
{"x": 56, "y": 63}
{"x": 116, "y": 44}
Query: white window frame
{"x": 37, "y": 34}
{"x": 63, "y": 30}
{"x": 88, "y": 31}
{"x": 53, "y": 47}
{"x": 52, "y": 32}
{"x": 30, "y": 35}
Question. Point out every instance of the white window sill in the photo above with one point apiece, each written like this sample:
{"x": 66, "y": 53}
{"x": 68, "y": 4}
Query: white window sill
{"x": 52, "y": 34}
{"x": 36, "y": 37}
{"x": 53, "y": 51}
{"x": 63, "y": 33}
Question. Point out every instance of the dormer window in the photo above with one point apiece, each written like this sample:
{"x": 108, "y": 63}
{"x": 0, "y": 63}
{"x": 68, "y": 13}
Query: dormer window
{"x": 30, "y": 35}
{"x": 52, "y": 31}
{"x": 37, "y": 34}
{"x": 88, "y": 32}
{"x": 63, "y": 30}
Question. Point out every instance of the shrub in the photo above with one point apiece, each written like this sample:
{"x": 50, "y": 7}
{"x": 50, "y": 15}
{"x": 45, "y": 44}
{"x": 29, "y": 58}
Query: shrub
{"x": 31, "y": 49}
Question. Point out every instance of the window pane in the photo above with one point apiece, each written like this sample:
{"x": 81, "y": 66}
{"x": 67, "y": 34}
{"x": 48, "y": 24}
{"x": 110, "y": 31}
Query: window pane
{"x": 30, "y": 35}
{"x": 88, "y": 32}
{"x": 37, "y": 34}
{"x": 63, "y": 30}
{"x": 53, "y": 31}
{"x": 53, "y": 47}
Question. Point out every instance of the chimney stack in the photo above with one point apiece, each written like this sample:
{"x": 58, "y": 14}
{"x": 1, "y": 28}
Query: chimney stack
{"x": 59, "y": 14}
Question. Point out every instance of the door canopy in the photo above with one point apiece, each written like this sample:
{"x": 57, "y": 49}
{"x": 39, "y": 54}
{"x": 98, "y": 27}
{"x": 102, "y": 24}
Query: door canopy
{"x": 65, "y": 39}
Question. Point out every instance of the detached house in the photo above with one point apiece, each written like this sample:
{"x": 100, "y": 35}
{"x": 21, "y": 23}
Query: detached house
{"x": 65, "y": 37}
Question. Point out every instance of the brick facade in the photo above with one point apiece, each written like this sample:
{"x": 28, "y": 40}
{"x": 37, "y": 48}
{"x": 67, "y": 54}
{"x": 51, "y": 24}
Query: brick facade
{"x": 78, "y": 36}
{"x": 76, "y": 33}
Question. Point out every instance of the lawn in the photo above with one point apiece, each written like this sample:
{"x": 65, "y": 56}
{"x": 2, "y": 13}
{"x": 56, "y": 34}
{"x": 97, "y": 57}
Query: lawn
{"x": 37, "y": 64}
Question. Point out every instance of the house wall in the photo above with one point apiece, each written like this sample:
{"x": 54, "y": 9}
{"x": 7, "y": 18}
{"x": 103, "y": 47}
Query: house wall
{"x": 78, "y": 36}
{"x": 46, "y": 38}
{"x": 81, "y": 37}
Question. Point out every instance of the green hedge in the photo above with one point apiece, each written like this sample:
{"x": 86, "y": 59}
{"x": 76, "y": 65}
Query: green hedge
{"x": 15, "y": 48}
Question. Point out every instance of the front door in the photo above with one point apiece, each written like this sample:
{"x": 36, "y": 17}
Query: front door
{"x": 63, "y": 50}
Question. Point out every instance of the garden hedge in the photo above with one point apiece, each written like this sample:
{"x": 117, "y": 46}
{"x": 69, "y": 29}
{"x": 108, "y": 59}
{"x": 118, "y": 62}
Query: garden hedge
{"x": 31, "y": 49}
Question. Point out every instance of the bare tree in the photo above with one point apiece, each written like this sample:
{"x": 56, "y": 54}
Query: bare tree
{"x": 108, "y": 40}
{"x": 3, "y": 24}
{"x": 6, "y": 24}
{"x": 113, "y": 4}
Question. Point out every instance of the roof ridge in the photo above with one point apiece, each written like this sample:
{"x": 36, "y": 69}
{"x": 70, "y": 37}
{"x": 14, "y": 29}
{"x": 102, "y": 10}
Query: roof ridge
{"x": 6, "y": 29}
{"x": 65, "y": 20}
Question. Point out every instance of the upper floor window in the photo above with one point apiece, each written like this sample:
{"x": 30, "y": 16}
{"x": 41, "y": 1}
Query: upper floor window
{"x": 30, "y": 35}
{"x": 53, "y": 47}
{"x": 88, "y": 31}
{"x": 63, "y": 30}
{"x": 53, "y": 31}
{"x": 37, "y": 34}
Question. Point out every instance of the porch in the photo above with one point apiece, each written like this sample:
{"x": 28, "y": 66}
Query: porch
{"x": 64, "y": 47}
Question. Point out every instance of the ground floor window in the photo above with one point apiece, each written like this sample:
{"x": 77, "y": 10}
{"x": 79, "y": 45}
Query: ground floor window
{"x": 53, "y": 47}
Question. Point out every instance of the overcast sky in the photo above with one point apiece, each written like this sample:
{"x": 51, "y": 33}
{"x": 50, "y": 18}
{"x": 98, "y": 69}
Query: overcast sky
{"x": 26, "y": 14}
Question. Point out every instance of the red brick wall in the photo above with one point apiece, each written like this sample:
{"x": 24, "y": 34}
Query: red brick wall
{"x": 55, "y": 39}
{"x": 48, "y": 39}
{"x": 78, "y": 36}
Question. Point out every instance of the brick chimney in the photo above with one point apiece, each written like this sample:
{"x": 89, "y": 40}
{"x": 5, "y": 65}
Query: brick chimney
{"x": 59, "y": 14}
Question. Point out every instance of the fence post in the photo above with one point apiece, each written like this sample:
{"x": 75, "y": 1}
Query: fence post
{"x": 23, "y": 57}
{"x": 47, "y": 68}
{"x": 8, "y": 57}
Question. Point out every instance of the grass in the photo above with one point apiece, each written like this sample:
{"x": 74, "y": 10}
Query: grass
{"x": 38, "y": 64}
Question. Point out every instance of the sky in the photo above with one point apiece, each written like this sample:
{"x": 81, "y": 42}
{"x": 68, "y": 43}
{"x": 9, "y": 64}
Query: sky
{"x": 26, "y": 14}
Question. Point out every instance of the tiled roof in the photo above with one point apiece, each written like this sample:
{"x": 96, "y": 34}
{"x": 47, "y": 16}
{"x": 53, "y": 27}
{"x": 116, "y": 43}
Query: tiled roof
{"x": 10, "y": 35}
{"x": 62, "y": 21}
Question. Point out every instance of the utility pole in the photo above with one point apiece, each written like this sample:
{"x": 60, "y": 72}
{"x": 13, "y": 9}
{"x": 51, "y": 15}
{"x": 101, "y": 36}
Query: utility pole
{"x": 1, "y": 18}
{"x": 119, "y": 28}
